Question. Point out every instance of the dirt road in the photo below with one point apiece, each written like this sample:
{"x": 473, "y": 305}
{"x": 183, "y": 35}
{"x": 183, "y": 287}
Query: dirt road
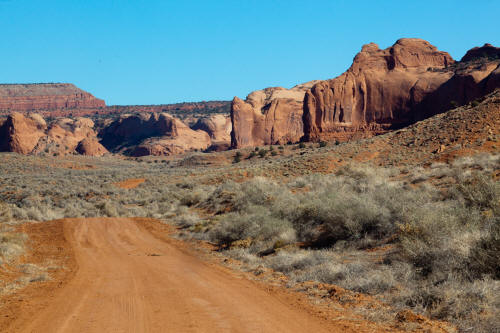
{"x": 130, "y": 281}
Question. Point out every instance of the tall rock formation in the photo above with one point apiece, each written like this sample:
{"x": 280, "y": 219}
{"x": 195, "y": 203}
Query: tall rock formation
{"x": 45, "y": 96}
{"x": 152, "y": 134}
{"x": 385, "y": 89}
{"x": 268, "y": 116}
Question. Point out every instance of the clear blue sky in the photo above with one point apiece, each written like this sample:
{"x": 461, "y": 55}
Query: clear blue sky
{"x": 155, "y": 52}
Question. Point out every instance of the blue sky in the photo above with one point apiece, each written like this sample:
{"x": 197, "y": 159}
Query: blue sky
{"x": 155, "y": 52}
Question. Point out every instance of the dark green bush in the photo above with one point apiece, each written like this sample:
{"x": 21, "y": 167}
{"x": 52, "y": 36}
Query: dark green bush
{"x": 237, "y": 157}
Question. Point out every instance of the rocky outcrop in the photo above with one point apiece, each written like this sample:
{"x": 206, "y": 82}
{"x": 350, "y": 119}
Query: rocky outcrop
{"x": 45, "y": 96}
{"x": 152, "y": 134}
{"x": 64, "y": 136}
{"x": 217, "y": 126}
{"x": 31, "y": 135}
{"x": 20, "y": 133}
{"x": 268, "y": 116}
{"x": 91, "y": 147}
{"x": 485, "y": 58}
{"x": 487, "y": 52}
{"x": 391, "y": 88}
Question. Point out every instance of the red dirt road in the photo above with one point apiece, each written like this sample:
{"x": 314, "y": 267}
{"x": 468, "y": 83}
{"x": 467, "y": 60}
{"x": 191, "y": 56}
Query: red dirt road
{"x": 130, "y": 281}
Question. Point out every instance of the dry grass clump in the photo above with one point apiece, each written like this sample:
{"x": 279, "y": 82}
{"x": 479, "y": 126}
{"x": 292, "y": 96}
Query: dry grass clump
{"x": 11, "y": 242}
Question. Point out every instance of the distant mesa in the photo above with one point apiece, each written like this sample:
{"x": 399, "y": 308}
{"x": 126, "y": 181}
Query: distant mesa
{"x": 45, "y": 96}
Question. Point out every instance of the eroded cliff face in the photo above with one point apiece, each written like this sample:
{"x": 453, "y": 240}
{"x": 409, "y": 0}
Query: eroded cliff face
{"x": 379, "y": 90}
{"x": 45, "y": 96}
{"x": 391, "y": 88}
{"x": 152, "y": 134}
{"x": 268, "y": 116}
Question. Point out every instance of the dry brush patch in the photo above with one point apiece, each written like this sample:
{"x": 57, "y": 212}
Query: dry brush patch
{"x": 440, "y": 244}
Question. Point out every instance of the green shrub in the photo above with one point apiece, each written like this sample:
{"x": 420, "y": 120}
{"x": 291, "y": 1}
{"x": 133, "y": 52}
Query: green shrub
{"x": 237, "y": 157}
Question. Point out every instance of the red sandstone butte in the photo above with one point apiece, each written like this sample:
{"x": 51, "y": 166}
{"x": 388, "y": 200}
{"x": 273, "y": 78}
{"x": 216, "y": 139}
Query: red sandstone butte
{"x": 385, "y": 89}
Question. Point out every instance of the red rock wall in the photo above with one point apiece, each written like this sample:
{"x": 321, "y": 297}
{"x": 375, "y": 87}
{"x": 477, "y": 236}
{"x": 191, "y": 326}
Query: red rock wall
{"x": 268, "y": 116}
{"x": 391, "y": 88}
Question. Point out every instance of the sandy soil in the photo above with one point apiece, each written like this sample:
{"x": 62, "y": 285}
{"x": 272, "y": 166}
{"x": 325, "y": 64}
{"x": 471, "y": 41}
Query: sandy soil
{"x": 130, "y": 281}
{"x": 130, "y": 183}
